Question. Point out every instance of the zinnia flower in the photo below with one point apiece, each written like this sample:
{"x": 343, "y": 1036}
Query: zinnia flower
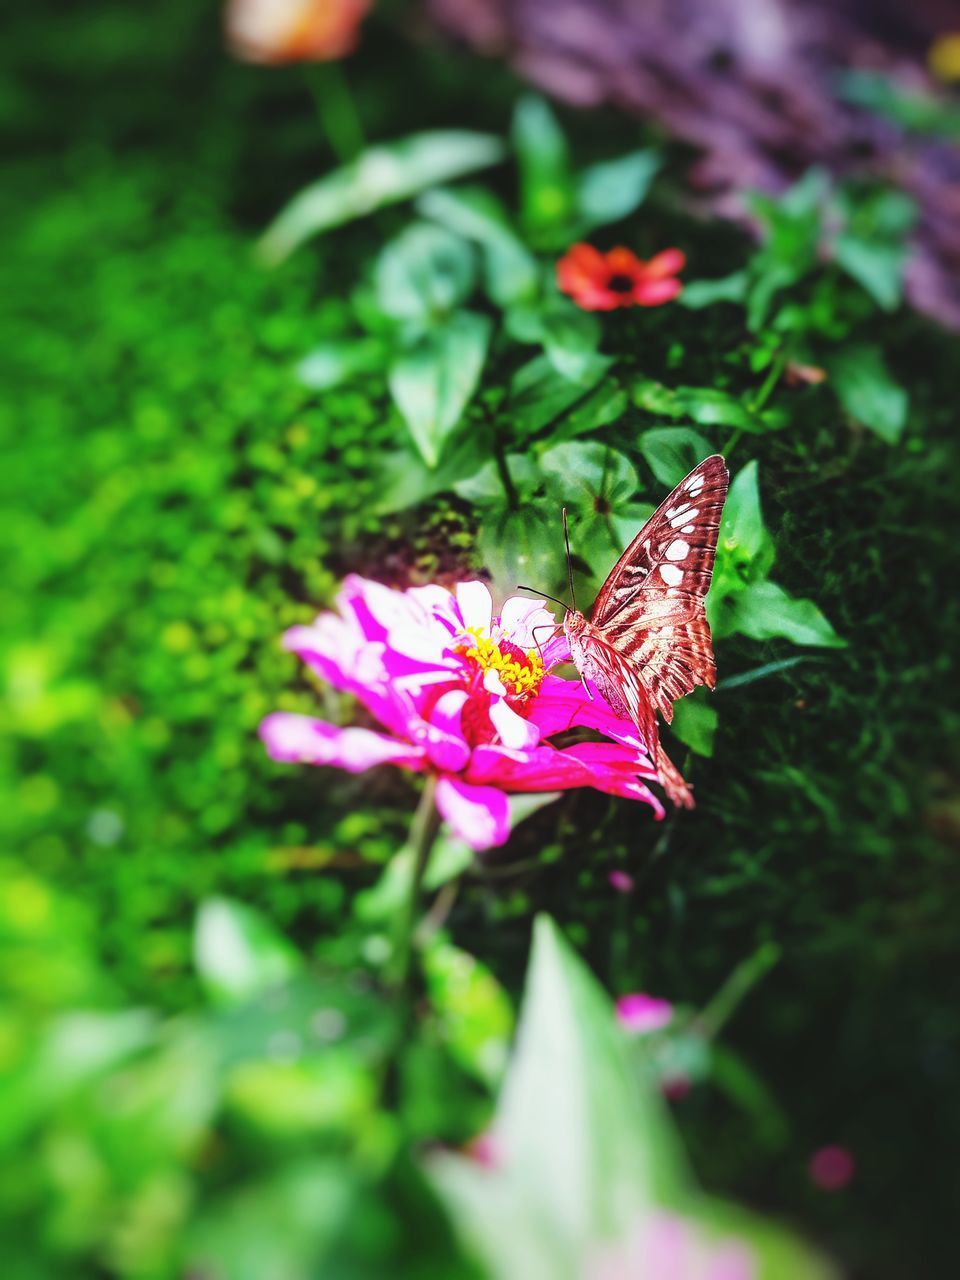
{"x": 277, "y": 31}
{"x": 604, "y": 281}
{"x": 463, "y": 695}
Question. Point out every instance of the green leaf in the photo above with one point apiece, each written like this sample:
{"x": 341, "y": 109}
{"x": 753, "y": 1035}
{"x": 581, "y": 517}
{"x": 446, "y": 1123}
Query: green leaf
{"x": 867, "y": 391}
{"x": 511, "y": 270}
{"x": 695, "y": 724}
{"x": 546, "y": 183}
{"x": 672, "y": 452}
{"x": 473, "y": 1010}
{"x": 525, "y": 545}
{"x": 763, "y": 610}
{"x": 405, "y": 479}
{"x": 605, "y": 404}
{"x": 539, "y": 395}
{"x": 914, "y": 109}
{"x": 584, "y": 1154}
{"x": 744, "y": 542}
{"x": 424, "y": 273}
{"x": 570, "y": 339}
{"x": 381, "y": 175}
{"x": 704, "y": 405}
{"x": 485, "y": 487}
{"x": 613, "y": 189}
{"x": 237, "y": 952}
{"x": 332, "y": 363}
{"x": 704, "y": 293}
{"x": 874, "y": 264}
{"x": 432, "y": 383}
{"x": 589, "y": 475}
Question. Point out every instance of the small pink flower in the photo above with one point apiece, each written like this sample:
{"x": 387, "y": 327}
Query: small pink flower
{"x": 831, "y": 1168}
{"x": 620, "y": 881}
{"x": 667, "y": 1247}
{"x": 641, "y": 1014}
{"x": 463, "y": 695}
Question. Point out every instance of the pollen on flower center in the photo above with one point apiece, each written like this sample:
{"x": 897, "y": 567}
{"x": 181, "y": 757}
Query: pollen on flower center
{"x": 520, "y": 671}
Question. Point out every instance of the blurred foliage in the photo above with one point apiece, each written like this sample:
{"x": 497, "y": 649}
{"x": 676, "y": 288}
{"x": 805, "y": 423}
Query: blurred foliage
{"x": 174, "y": 493}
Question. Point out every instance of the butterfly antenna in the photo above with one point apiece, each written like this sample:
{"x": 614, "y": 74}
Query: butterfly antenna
{"x": 566, "y": 540}
{"x": 543, "y": 595}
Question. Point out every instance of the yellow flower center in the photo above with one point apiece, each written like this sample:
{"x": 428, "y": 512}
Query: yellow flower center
{"x": 520, "y": 672}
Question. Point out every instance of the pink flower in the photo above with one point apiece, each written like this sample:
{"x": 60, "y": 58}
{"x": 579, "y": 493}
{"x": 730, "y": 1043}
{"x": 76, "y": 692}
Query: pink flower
{"x": 667, "y": 1247}
{"x": 831, "y": 1168}
{"x": 640, "y": 1013}
{"x": 620, "y": 881}
{"x": 464, "y": 695}
{"x": 599, "y": 281}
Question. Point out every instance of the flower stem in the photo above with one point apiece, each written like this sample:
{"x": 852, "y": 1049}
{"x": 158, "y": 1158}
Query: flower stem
{"x": 777, "y": 366}
{"x": 746, "y": 975}
{"x": 506, "y": 479}
{"x": 336, "y": 109}
{"x": 423, "y": 832}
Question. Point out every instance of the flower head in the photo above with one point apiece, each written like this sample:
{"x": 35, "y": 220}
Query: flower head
{"x": 278, "y": 31}
{"x": 462, "y": 694}
{"x": 605, "y": 281}
{"x": 639, "y": 1013}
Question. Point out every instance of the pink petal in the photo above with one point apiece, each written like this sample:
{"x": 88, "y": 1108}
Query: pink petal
{"x": 653, "y": 293}
{"x": 564, "y": 704}
{"x": 641, "y": 1013}
{"x": 303, "y": 740}
{"x": 522, "y": 619}
{"x": 666, "y": 263}
{"x": 514, "y": 731}
{"x": 478, "y": 815}
{"x": 476, "y": 606}
{"x": 442, "y": 734}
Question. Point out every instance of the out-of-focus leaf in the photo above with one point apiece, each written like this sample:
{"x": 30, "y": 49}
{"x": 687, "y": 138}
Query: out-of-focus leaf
{"x": 476, "y": 1017}
{"x": 433, "y": 381}
{"x": 605, "y": 404}
{"x": 238, "y": 954}
{"x": 525, "y": 545}
{"x": 867, "y": 391}
{"x": 583, "y": 1161}
{"x": 570, "y": 339}
{"x": 332, "y": 363}
{"x": 407, "y": 480}
{"x": 485, "y": 487}
{"x": 912, "y": 108}
{"x": 547, "y": 194}
{"x": 695, "y": 724}
{"x": 511, "y": 270}
{"x": 704, "y": 405}
{"x": 704, "y": 293}
{"x": 424, "y": 273}
{"x": 875, "y": 264}
{"x": 613, "y": 189}
{"x": 763, "y": 610}
{"x": 672, "y": 452}
{"x": 538, "y": 394}
{"x": 381, "y": 175}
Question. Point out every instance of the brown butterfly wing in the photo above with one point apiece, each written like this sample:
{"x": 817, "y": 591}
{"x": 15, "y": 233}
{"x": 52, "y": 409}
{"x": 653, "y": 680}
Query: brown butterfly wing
{"x": 649, "y": 616}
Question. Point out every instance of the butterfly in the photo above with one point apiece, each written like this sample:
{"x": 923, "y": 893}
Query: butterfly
{"x": 646, "y": 642}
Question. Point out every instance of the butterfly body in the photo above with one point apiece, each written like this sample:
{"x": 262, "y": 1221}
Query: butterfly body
{"x": 646, "y": 642}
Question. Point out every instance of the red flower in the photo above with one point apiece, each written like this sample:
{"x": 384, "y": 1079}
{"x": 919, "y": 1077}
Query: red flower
{"x": 604, "y": 281}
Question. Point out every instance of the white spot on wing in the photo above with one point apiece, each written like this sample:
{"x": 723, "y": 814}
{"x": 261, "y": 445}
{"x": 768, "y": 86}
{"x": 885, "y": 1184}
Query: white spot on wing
{"x": 694, "y": 486}
{"x": 688, "y": 528}
{"x": 671, "y": 574}
{"x": 677, "y": 549}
